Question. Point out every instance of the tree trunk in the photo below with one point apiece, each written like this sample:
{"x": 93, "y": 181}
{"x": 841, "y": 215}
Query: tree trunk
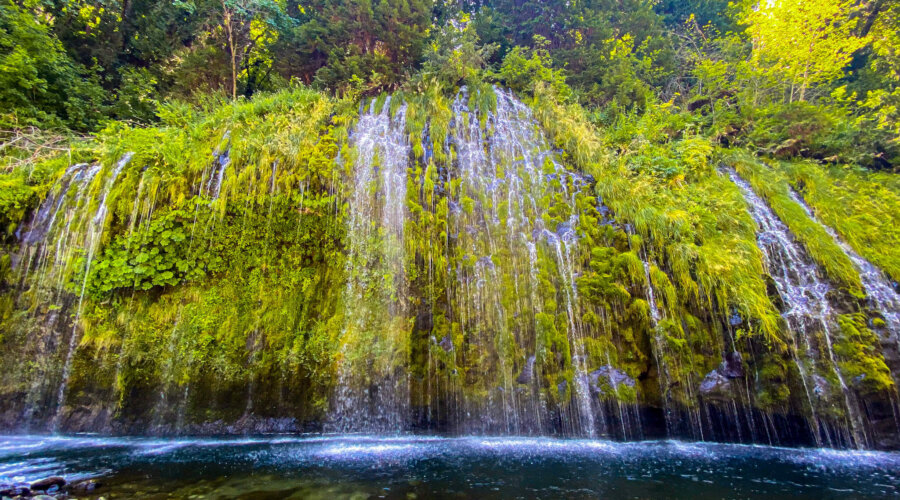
{"x": 870, "y": 19}
{"x": 229, "y": 30}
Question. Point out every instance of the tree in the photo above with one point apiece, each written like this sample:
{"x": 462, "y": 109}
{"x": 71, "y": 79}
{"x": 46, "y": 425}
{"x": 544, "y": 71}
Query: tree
{"x": 455, "y": 55}
{"x": 805, "y": 42}
{"x": 380, "y": 41}
{"x": 39, "y": 84}
{"x": 251, "y": 26}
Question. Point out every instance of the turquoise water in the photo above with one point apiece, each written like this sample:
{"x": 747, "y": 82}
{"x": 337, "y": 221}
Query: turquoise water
{"x": 402, "y": 467}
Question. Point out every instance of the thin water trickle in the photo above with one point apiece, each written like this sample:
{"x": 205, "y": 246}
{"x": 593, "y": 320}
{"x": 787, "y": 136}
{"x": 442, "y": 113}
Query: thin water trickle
{"x": 212, "y": 187}
{"x": 659, "y": 349}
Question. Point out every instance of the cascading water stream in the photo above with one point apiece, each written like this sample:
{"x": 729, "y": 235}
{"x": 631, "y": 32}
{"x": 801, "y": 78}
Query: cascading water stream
{"x": 47, "y": 246}
{"x": 51, "y": 240}
{"x": 212, "y": 188}
{"x": 95, "y": 229}
{"x": 486, "y": 300}
{"x": 881, "y": 294}
{"x": 371, "y": 394}
{"x": 807, "y": 310}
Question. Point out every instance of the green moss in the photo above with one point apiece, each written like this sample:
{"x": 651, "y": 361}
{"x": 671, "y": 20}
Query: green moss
{"x": 695, "y": 221}
{"x": 773, "y": 389}
{"x": 860, "y": 359}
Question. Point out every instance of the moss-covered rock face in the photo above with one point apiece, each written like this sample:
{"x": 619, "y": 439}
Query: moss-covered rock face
{"x": 468, "y": 263}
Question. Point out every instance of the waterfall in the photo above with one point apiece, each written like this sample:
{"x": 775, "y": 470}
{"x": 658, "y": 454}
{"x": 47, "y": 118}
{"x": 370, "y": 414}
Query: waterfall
{"x": 510, "y": 188}
{"x": 94, "y": 234}
{"x": 212, "y": 187}
{"x": 372, "y": 391}
{"x": 881, "y": 294}
{"x": 55, "y": 233}
{"x": 65, "y": 227}
{"x": 807, "y": 313}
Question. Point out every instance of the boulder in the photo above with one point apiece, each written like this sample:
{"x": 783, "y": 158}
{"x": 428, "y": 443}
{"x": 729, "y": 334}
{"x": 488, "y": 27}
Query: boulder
{"x": 608, "y": 376}
{"x": 15, "y": 491}
{"x": 715, "y": 385}
{"x": 561, "y": 388}
{"x": 733, "y": 365}
{"x": 563, "y": 229}
{"x": 821, "y": 387}
{"x": 88, "y": 486}
{"x": 527, "y": 374}
{"x": 698, "y": 103}
{"x": 48, "y": 483}
{"x": 615, "y": 376}
{"x": 486, "y": 262}
{"x": 424, "y": 321}
{"x": 446, "y": 343}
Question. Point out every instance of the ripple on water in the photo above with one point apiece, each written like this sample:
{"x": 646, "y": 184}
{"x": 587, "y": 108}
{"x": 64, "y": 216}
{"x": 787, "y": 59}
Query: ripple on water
{"x": 332, "y": 466}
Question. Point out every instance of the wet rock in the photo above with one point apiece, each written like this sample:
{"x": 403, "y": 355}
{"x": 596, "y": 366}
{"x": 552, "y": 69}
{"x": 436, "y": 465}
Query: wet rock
{"x": 821, "y": 387}
{"x": 486, "y": 262}
{"x": 715, "y": 385}
{"x": 733, "y": 365}
{"x": 608, "y": 376}
{"x": 698, "y": 103}
{"x": 88, "y": 486}
{"x": 527, "y": 374}
{"x": 773, "y": 293}
{"x": 561, "y": 389}
{"x": 563, "y": 228}
{"x": 49, "y": 483}
{"x": 446, "y": 343}
{"x": 424, "y": 321}
{"x": 42, "y": 497}
{"x": 15, "y": 491}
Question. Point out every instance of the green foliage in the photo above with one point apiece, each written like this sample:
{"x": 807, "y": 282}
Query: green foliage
{"x": 456, "y": 56}
{"x": 805, "y": 42}
{"x": 616, "y": 53}
{"x": 859, "y": 205}
{"x": 136, "y": 97}
{"x": 821, "y": 247}
{"x": 377, "y": 40}
{"x": 41, "y": 86}
{"x": 525, "y": 68}
{"x": 188, "y": 289}
{"x": 158, "y": 255}
{"x": 29, "y": 179}
{"x": 697, "y": 223}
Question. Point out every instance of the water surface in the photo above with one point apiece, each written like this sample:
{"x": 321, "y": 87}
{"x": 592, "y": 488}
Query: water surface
{"x": 354, "y": 466}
